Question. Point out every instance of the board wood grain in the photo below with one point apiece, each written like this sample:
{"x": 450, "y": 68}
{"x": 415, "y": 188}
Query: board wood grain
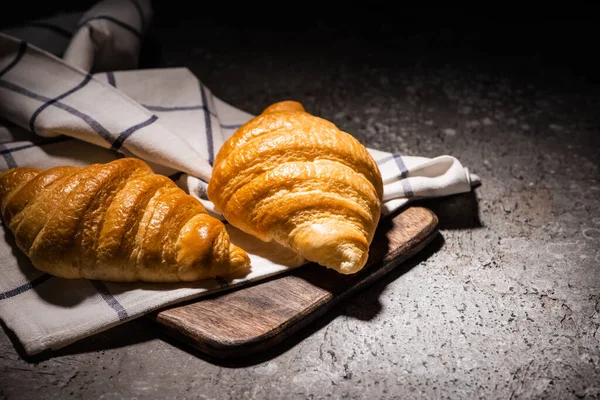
{"x": 253, "y": 318}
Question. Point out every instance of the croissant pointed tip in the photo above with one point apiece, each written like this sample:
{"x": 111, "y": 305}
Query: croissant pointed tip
{"x": 354, "y": 263}
{"x": 333, "y": 245}
{"x": 352, "y": 259}
{"x": 239, "y": 262}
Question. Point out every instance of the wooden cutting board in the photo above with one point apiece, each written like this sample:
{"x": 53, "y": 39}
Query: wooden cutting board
{"x": 254, "y": 318}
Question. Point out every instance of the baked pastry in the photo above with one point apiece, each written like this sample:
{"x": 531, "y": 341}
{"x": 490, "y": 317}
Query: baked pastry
{"x": 116, "y": 222}
{"x": 296, "y": 179}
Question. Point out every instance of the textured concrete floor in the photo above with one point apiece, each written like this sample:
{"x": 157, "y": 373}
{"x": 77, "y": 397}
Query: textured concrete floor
{"x": 506, "y": 304}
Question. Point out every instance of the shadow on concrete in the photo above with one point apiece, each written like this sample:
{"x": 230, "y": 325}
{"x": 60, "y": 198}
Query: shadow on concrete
{"x": 459, "y": 211}
{"x": 119, "y": 336}
{"x": 365, "y": 309}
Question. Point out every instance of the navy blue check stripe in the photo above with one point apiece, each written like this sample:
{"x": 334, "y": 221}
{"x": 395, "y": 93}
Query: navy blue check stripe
{"x": 399, "y": 162}
{"x": 26, "y": 287}
{"x": 110, "y": 299}
{"x": 173, "y": 108}
{"x": 115, "y": 21}
{"x": 50, "y": 102}
{"x": 20, "y": 53}
{"x": 110, "y": 76}
{"x": 10, "y": 161}
{"x": 99, "y": 285}
{"x": 403, "y": 172}
{"x": 202, "y": 190}
{"x": 7, "y": 153}
{"x": 128, "y": 132}
{"x": 234, "y": 126}
{"x": 95, "y": 125}
{"x": 190, "y": 108}
{"x": 408, "y": 192}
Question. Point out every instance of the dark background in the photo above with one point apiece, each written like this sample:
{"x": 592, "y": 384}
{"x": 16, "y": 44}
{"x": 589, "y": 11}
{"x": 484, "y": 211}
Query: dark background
{"x": 350, "y": 58}
{"x": 536, "y": 38}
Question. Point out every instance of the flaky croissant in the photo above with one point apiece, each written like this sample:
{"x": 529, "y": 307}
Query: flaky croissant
{"x": 117, "y": 222}
{"x": 296, "y": 179}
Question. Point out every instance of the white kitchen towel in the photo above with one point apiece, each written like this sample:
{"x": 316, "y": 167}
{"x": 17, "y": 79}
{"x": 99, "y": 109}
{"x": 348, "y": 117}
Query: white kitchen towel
{"x": 71, "y": 94}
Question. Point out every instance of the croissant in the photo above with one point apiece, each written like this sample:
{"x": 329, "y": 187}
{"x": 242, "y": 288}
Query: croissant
{"x": 296, "y": 179}
{"x": 117, "y": 222}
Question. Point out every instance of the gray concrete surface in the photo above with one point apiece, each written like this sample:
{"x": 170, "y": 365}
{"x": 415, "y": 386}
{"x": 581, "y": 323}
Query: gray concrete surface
{"x": 506, "y": 304}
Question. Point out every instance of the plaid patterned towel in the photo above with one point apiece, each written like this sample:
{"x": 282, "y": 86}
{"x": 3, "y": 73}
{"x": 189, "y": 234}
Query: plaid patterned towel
{"x": 71, "y": 94}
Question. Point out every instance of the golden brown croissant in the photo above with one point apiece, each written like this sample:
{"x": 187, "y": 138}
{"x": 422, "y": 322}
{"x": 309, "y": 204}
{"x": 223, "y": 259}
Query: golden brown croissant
{"x": 296, "y": 179}
{"x": 117, "y": 222}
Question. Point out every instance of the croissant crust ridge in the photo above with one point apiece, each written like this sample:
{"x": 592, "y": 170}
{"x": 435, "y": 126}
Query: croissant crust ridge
{"x": 296, "y": 179}
{"x": 116, "y": 221}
